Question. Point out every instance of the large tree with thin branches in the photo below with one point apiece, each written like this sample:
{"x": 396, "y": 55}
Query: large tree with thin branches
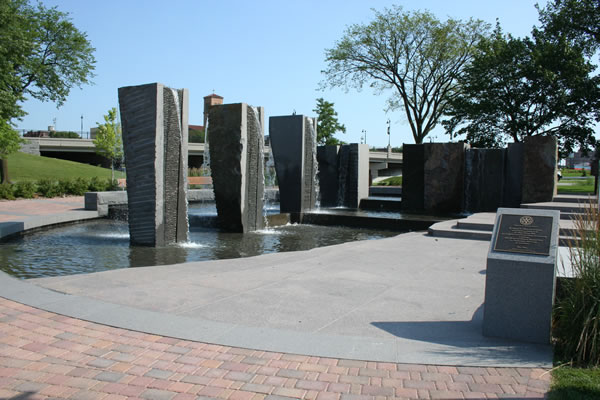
{"x": 412, "y": 54}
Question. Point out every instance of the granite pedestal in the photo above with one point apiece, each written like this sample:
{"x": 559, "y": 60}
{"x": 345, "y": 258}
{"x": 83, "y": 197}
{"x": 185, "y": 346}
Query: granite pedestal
{"x": 521, "y": 275}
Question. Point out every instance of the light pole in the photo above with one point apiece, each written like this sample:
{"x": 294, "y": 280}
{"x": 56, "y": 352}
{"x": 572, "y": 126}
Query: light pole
{"x": 82, "y": 126}
{"x": 389, "y": 138}
{"x": 364, "y": 132}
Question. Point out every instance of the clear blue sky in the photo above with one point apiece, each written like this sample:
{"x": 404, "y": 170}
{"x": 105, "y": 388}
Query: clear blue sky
{"x": 266, "y": 53}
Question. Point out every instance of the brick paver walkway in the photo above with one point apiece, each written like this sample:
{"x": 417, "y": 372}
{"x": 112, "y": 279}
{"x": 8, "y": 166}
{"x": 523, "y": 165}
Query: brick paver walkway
{"x": 11, "y": 210}
{"x": 44, "y": 355}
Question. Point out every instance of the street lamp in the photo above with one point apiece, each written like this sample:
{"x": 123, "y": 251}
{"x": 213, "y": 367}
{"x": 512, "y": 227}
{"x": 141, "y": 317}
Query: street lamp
{"x": 389, "y": 137}
{"x": 82, "y": 126}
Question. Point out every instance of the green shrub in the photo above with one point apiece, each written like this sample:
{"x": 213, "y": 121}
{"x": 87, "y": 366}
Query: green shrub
{"x": 48, "y": 188}
{"x": 6, "y": 191}
{"x": 112, "y": 184}
{"x": 576, "y": 325}
{"x": 24, "y": 189}
{"x": 78, "y": 186}
{"x": 97, "y": 184}
{"x": 64, "y": 186}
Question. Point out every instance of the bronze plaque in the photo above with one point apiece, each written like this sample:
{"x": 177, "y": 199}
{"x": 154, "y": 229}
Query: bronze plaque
{"x": 528, "y": 234}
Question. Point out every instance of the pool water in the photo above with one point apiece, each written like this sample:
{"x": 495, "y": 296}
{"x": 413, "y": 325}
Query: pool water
{"x": 103, "y": 244}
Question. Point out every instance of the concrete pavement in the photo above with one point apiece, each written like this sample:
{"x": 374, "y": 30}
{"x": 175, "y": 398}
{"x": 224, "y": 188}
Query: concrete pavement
{"x": 410, "y": 299}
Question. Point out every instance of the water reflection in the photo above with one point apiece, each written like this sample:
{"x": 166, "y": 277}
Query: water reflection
{"x": 104, "y": 245}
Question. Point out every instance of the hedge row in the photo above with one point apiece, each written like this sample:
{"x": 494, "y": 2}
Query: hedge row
{"x": 54, "y": 188}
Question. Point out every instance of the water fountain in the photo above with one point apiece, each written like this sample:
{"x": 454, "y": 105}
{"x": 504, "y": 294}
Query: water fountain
{"x": 155, "y": 135}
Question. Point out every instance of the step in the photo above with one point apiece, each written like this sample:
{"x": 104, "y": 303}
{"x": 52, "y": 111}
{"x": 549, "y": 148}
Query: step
{"x": 559, "y": 206}
{"x": 480, "y": 227}
{"x": 576, "y": 198}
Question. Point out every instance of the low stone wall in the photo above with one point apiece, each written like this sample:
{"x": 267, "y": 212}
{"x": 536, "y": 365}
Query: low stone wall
{"x": 101, "y": 201}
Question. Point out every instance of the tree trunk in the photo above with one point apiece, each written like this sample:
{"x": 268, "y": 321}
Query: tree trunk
{"x": 4, "y": 171}
{"x": 112, "y": 172}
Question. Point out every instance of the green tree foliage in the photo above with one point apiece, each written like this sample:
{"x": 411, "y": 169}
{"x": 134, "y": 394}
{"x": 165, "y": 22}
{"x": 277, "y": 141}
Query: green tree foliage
{"x": 576, "y": 21}
{"x": 327, "y": 123}
{"x": 196, "y": 135}
{"x": 108, "y": 139}
{"x": 412, "y": 53}
{"x": 520, "y": 87}
{"x": 42, "y": 55}
{"x": 10, "y": 142}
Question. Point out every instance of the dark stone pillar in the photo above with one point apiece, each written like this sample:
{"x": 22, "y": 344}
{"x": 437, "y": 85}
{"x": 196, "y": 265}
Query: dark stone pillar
{"x": 293, "y": 142}
{"x": 484, "y": 179}
{"x": 513, "y": 176}
{"x": 327, "y": 157}
{"x": 155, "y": 135}
{"x": 540, "y": 154}
{"x": 236, "y": 137}
{"x": 443, "y": 177}
{"x": 413, "y": 172}
{"x": 353, "y": 174}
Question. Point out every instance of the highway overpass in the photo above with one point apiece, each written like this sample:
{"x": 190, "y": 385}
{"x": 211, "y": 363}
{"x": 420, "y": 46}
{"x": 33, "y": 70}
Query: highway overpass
{"x": 381, "y": 163}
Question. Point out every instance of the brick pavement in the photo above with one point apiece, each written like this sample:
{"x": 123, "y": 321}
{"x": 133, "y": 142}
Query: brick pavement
{"x": 11, "y": 210}
{"x": 45, "y": 355}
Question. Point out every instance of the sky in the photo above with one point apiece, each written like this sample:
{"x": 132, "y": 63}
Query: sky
{"x": 266, "y": 53}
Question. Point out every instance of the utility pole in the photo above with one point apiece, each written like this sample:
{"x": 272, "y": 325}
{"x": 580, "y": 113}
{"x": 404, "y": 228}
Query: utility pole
{"x": 82, "y": 126}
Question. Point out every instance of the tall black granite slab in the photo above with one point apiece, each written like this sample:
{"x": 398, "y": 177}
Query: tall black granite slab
{"x": 413, "y": 175}
{"x": 444, "y": 177}
{"x": 236, "y": 137}
{"x": 483, "y": 179}
{"x": 155, "y": 138}
{"x": 513, "y": 176}
{"x": 327, "y": 157}
{"x": 540, "y": 164}
{"x": 293, "y": 142}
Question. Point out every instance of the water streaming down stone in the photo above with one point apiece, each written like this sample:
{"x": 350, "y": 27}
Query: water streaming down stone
{"x": 343, "y": 174}
{"x": 155, "y": 138}
{"x": 237, "y": 164}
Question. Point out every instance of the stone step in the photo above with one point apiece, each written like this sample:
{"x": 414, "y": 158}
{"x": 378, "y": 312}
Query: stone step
{"x": 480, "y": 227}
{"x": 555, "y": 205}
{"x": 576, "y": 198}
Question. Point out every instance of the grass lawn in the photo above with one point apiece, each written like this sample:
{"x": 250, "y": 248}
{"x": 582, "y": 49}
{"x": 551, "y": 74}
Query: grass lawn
{"x": 566, "y": 172}
{"x": 575, "y": 384}
{"x": 27, "y": 167}
{"x": 581, "y": 185}
{"x": 391, "y": 181}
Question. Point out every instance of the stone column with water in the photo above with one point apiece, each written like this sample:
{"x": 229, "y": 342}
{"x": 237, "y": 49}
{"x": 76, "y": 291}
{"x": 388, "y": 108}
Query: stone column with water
{"x": 155, "y": 138}
{"x": 294, "y": 144}
{"x": 236, "y": 137}
{"x": 344, "y": 174}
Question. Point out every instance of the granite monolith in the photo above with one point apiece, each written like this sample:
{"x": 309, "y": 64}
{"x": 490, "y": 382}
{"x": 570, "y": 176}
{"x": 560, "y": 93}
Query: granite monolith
{"x": 236, "y": 137}
{"x": 293, "y": 142}
{"x": 155, "y": 137}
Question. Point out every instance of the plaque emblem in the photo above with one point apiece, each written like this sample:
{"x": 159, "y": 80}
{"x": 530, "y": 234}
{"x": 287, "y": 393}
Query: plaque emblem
{"x": 526, "y": 220}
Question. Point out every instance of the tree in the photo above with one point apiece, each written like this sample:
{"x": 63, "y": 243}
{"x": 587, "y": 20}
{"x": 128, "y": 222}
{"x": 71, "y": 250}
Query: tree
{"x": 412, "y": 53}
{"x": 327, "y": 123}
{"x": 575, "y": 21}
{"x": 522, "y": 87}
{"x": 9, "y": 143}
{"x": 108, "y": 139}
{"x": 42, "y": 55}
{"x": 45, "y": 55}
